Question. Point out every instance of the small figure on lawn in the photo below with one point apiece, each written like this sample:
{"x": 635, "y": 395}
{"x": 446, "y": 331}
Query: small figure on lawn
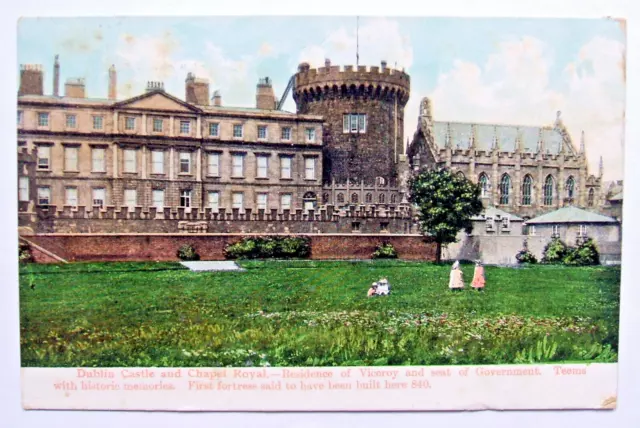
{"x": 456, "y": 282}
{"x": 372, "y": 290}
{"x": 383, "y": 289}
{"x": 478, "y": 277}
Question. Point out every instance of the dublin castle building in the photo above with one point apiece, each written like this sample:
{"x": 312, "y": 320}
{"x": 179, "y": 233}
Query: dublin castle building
{"x": 157, "y": 157}
{"x": 523, "y": 170}
{"x": 338, "y": 164}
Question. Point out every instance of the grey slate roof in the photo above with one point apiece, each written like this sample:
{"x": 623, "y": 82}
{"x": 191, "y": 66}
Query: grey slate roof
{"x": 616, "y": 196}
{"x": 571, "y": 214}
{"x": 495, "y": 212}
{"x": 506, "y": 135}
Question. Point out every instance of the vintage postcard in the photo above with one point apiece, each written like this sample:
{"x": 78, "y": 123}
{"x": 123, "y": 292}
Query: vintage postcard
{"x": 320, "y": 213}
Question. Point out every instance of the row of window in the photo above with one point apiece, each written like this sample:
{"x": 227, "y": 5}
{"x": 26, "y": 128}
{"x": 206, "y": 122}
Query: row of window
{"x": 531, "y": 230}
{"x": 185, "y": 126}
{"x": 504, "y": 190}
{"x": 99, "y": 196}
{"x": 355, "y": 198}
{"x": 130, "y": 164}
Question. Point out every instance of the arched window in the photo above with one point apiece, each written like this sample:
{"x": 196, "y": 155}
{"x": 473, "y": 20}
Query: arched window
{"x": 483, "y": 181}
{"x": 393, "y": 198}
{"x": 548, "y": 191}
{"x": 354, "y": 198}
{"x": 340, "y": 198}
{"x": 309, "y": 200}
{"x": 381, "y": 198}
{"x": 460, "y": 174}
{"x": 505, "y": 184}
{"x": 325, "y": 198}
{"x": 368, "y": 198}
{"x": 527, "y": 185}
{"x": 569, "y": 188}
{"x": 591, "y": 197}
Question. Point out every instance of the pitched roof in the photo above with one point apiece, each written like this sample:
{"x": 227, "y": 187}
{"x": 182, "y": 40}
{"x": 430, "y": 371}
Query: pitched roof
{"x": 495, "y": 212}
{"x": 616, "y": 196}
{"x": 506, "y": 136}
{"x": 571, "y": 214}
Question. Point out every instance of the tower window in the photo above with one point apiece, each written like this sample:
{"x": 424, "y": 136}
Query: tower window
{"x": 354, "y": 123}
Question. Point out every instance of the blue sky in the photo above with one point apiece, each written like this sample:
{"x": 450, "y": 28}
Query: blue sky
{"x": 517, "y": 71}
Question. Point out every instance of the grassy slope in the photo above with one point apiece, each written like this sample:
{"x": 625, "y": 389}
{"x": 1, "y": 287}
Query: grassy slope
{"x": 154, "y": 310}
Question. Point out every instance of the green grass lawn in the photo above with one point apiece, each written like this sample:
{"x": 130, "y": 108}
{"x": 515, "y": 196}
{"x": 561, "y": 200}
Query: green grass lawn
{"x": 312, "y": 313}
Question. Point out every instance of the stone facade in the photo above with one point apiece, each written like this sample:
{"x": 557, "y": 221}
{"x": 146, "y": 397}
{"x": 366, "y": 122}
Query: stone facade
{"x": 363, "y": 111}
{"x": 525, "y": 170}
{"x": 155, "y": 150}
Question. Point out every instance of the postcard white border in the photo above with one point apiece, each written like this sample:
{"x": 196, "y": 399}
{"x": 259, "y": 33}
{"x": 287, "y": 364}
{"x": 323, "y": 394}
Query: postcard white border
{"x": 629, "y": 387}
{"x": 394, "y": 388}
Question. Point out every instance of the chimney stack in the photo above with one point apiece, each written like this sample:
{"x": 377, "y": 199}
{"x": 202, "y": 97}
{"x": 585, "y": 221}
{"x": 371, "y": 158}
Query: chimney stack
{"x": 31, "y": 80}
{"x": 155, "y": 86}
{"x": 217, "y": 99}
{"x": 74, "y": 88}
{"x": 265, "y": 97}
{"x": 383, "y": 63}
{"x": 56, "y": 77}
{"x": 113, "y": 82}
{"x": 196, "y": 90}
{"x": 327, "y": 62}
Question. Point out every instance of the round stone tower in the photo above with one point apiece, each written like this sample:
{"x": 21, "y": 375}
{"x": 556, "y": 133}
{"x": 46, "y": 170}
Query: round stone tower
{"x": 363, "y": 113}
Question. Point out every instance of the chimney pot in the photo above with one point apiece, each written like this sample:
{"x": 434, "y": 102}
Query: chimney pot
{"x": 196, "y": 90}
{"x": 74, "y": 88}
{"x": 31, "y": 80}
{"x": 56, "y": 77}
{"x": 217, "y": 99}
{"x": 112, "y": 82}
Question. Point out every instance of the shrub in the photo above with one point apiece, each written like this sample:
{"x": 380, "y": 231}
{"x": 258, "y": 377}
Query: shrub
{"x": 555, "y": 252}
{"x": 526, "y": 256}
{"x": 585, "y": 254}
{"x": 299, "y": 247}
{"x": 269, "y": 247}
{"x": 24, "y": 253}
{"x": 385, "y": 251}
{"x": 188, "y": 252}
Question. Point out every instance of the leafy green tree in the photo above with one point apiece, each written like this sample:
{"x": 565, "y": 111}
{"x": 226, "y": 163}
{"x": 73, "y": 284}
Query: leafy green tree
{"x": 446, "y": 202}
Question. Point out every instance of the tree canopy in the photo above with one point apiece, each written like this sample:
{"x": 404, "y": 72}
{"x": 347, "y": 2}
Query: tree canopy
{"x": 446, "y": 202}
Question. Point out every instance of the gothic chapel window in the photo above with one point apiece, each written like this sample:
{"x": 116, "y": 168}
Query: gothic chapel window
{"x": 570, "y": 188}
{"x": 505, "y": 184}
{"x": 526, "y": 190}
{"x": 484, "y": 185}
{"x": 548, "y": 191}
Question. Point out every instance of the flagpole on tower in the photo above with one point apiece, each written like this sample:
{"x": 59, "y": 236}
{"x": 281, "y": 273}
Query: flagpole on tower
{"x": 357, "y": 42}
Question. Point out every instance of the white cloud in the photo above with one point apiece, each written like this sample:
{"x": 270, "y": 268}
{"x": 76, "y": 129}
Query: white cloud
{"x": 159, "y": 58}
{"x": 513, "y": 87}
{"x": 378, "y": 38}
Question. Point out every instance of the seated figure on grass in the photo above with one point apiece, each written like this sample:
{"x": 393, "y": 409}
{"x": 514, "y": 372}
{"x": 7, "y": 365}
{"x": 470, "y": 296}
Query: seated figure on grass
{"x": 383, "y": 288}
{"x": 380, "y": 288}
{"x": 456, "y": 282}
{"x": 372, "y": 290}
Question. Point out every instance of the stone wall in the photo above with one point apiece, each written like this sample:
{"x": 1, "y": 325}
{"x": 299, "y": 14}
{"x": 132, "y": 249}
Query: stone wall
{"x": 163, "y": 247}
{"x": 502, "y": 249}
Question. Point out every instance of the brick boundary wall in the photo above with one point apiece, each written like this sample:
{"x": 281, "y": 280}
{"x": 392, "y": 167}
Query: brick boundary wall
{"x": 163, "y": 247}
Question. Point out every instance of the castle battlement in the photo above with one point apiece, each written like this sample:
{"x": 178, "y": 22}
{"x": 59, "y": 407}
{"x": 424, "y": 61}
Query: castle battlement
{"x": 348, "y": 75}
{"x": 31, "y": 67}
